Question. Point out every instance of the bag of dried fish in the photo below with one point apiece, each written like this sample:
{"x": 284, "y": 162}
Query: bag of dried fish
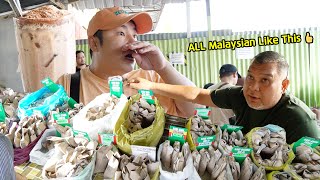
{"x": 102, "y": 158}
{"x": 100, "y": 115}
{"x": 44, "y": 149}
{"x": 24, "y": 136}
{"x": 42, "y": 100}
{"x": 230, "y": 137}
{"x": 306, "y": 163}
{"x": 65, "y": 108}
{"x": 197, "y": 127}
{"x": 176, "y": 163}
{"x": 137, "y": 167}
{"x": 10, "y": 100}
{"x": 148, "y": 136}
{"x": 250, "y": 171}
{"x": 269, "y": 147}
{"x": 73, "y": 159}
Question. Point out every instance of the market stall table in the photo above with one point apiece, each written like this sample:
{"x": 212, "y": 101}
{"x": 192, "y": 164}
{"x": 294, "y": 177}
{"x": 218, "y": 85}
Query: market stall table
{"x": 33, "y": 171}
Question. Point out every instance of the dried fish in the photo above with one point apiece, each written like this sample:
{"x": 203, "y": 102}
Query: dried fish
{"x": 141, "y": 115}
{"x": 98, "y": 112}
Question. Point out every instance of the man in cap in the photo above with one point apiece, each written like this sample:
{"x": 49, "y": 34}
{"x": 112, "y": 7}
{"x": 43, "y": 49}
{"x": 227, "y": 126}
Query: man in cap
{"x": 228, "y": 78}
{"x": 112, "y": 37}
{"x": 261, "y": 101}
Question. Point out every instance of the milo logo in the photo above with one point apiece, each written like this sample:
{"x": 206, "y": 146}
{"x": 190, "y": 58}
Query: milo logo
{"x": 120, "y": 12}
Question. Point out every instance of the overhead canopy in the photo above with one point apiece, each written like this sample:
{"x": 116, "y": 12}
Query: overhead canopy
{"x": 153, "y": 7}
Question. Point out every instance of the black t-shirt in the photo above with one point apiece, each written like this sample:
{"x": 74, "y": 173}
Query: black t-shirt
{"x": 290, "y": 113}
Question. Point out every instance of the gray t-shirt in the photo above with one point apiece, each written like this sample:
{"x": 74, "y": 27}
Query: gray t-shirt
{"x": 6, "y": 159}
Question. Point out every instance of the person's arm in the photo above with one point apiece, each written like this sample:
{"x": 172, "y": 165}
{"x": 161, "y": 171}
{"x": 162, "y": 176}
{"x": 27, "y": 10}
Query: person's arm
{"x": 149, "y": 57}
{"x": 177, "y": 92}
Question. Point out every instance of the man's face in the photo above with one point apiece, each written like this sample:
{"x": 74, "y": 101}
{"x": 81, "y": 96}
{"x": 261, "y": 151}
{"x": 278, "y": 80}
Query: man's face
{"x": 80, "y": 59}
{"x": 264, "y": 86}
{"x": 110, "y": 54}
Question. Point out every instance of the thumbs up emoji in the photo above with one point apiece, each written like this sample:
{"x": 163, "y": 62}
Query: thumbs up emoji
{"x": 309, "y": 38}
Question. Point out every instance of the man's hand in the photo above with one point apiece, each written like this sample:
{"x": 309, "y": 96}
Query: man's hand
{"x": 140, "y": 83}
{"x": 317, "y": 112}
{"x": 147, "y": 55}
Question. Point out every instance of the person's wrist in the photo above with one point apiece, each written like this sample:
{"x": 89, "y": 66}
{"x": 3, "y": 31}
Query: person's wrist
{"x": 152, "y": 86}
{"x": 164, "y": 69}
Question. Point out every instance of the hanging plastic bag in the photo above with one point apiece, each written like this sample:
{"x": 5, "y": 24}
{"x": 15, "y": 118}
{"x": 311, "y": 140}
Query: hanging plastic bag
{"x": 149, "y": 136}
{"x": 42, "y": 100}
{"x": 104, "y": 124}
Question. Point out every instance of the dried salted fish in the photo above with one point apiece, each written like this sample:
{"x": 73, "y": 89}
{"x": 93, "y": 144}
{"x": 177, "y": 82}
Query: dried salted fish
{"x": 141, "y": 115}
{"x": 205, "y": 158}
{"x": 270, "y": 148}
{"x": 229, "y": 140}
{"x": 98, "y": 112}
{"x": 10, "y": 100}
{"x": 306, "y": 163}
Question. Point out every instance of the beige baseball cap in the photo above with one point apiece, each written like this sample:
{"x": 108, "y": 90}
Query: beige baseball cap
{"x": 110, "y": 18}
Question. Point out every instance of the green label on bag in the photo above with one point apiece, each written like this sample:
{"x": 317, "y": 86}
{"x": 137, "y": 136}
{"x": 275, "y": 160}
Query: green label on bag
{"x": 106, "y": 139}
{"x": 2, "y": 113}
{"x": 116, "y": 87}
{"x": 147, "y": 95}
{"x": 71, "y": 102}
{"x": 274, "y": 128}
{"x": 61, "y": 118}
{"x": 81, "y": 134}
{"x": 231, "y": 128}
{"x": 204, "y": 113}
{"x": 308, "y": 141}
{"x": 240, "y": 153}
{"x": 205, "y": 142}
{"x": 177, "y": 134}
{"x": 47, "y": 82}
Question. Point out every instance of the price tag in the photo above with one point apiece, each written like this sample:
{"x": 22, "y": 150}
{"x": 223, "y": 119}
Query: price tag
{"x": 308, "y": 141}
{"x": 204, "y": 113}
{"x": 231, "y": 128}
{"x": 205, "y": 142}
{"x": 61, "y": 118}
{"x": 240, "y": 153}
{"x": 81, "y": 134}
{"x": 177, "y": 134}
{"x": 116, "y": 86}
{"x": 147, "y": 95}
{"x": 106, "y": 139}
{"x": 151, "y": 151}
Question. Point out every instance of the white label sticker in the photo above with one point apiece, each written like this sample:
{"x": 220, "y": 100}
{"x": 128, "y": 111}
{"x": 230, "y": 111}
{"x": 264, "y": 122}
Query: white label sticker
{"x": 151, "y": 151}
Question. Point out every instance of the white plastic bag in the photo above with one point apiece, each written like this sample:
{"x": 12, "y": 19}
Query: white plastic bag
{"x": 86, "y": 174}
{"x": 189, "y": 172}
{"x": 102, "y": 125}
{"x": 36, "y": 155}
